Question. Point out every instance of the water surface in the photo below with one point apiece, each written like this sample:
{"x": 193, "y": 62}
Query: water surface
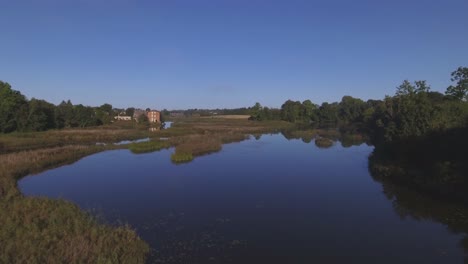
{"x": 266, "y": 200}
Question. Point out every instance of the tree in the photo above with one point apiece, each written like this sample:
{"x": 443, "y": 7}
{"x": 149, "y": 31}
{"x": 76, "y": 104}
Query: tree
{"x": 459, "y": 91}
{"x": 309, "y": 111}
{"x": 41, "y": 115}
{"x": 406, "y": 88}
{"x": 130, "y": 111}
{"x": 143, "y": 119}
{"x": 105, "y": 114}
{"x": 291, "y": 111}
{"x": 351, "y": 109}
{"x": 65, "y": 115}
{"x": 328, "y": 113}
{"x": 12, "y": 105}
{"x": 257, "y": 112}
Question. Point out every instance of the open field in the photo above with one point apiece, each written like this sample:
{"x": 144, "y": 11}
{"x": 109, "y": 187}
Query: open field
{"x": 230, "y": 116}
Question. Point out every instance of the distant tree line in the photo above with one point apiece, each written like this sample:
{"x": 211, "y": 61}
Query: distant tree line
{"x": 17, "y": 113}
{"x": 414, "y": 110}
{"x": 208, "y": 112}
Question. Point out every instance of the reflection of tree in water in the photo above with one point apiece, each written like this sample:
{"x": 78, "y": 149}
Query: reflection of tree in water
{"x": 413, "y": 204}
{"x": 346, "y": 139}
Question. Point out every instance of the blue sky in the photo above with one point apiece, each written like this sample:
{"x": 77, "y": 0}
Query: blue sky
{"x": 224, "y": 54}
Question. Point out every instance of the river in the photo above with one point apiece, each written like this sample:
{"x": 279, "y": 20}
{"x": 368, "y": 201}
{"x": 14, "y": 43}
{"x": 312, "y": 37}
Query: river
{"x": 264, "y": 200}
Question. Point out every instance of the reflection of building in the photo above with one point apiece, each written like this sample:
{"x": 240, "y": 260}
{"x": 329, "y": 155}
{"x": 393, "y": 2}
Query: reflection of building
{"x": 154, "y": 116}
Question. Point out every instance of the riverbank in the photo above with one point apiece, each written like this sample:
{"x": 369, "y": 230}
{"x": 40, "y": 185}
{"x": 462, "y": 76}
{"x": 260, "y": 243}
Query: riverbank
{"x": 57, "y": 231}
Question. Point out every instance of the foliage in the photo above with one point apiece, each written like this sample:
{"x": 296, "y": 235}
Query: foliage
{"x": 19, "y": 114}
{"x": 434, "y": 163}
{"x": 260, "y": 113}
{"x": 459, "y": 91}
{"x": 143, "y": 119}
{"x": 13, "y": 108}
{"x": 413, "y": 111}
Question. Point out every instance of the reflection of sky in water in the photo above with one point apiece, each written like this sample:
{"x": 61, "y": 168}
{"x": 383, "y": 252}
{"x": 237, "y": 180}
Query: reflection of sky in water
{"x": 283, "y": 201}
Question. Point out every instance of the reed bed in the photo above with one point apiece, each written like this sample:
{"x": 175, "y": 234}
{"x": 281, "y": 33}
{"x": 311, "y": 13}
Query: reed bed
{"x": 56, "y": 138}
{"x": 40, "y": 230}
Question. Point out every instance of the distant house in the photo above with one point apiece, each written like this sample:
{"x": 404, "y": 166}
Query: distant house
{"x": 154, "y": 116}
{"x": 123, "y": 118}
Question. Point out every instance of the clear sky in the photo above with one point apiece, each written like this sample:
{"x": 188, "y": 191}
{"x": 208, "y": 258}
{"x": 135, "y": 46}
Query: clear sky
{"x": 223, "y": 54}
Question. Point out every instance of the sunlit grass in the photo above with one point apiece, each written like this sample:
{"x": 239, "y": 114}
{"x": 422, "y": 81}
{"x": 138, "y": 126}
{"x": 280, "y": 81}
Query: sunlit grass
{"x": 56, "y": 138}
{"x": 181, "y": 157}
{"x": 40, "y": 230}
{"x": 149, "y": 146}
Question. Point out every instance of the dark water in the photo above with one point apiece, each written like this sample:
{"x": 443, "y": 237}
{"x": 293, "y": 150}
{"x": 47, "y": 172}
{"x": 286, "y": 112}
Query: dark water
{"x": 270, "y": 200}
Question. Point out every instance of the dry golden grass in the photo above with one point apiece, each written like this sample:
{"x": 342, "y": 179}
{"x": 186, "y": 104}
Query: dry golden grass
{"x": 229, "y": 116}
{"x": 40, "y": 230}
{"x": 13, "y": 166}
{"x": 56, "y": 138}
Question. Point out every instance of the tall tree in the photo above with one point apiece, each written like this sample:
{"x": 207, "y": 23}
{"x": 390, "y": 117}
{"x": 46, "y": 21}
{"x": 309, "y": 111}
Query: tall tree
{"x": 460, "y": 90}
{"x": 309, "y": 109}
{"x": 41, "y": 115}
{"x": 291, "y": 111}
{"x": 351, "y": 109}
{"x": 12, "y": 105}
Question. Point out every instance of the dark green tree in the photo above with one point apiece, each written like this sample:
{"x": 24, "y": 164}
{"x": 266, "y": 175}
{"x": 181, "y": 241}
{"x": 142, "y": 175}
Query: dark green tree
{"x": 13, "y": 105}
{"x": 351, "y": 109}
{"x": 130, "y": 111}
{"x": 310, "y": 111}
{"x": 104, "y": 113}
{"x": 292, "y": 111}
{"x": 460, "y": 90}
{"x": 328, "y": 114}
{"x": 257, "y": 112}
{"x": 41, "y": 115}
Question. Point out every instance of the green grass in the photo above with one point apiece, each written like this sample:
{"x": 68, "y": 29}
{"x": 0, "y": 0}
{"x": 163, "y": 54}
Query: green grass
{"x": 149, "y": 146}
{"x": 178, "y": 157}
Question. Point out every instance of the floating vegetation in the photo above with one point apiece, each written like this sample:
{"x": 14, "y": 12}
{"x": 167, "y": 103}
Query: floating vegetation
{"x": 181, "y": 157}
{"x": 323, "y": 142}
{"x": 149, "y": 146}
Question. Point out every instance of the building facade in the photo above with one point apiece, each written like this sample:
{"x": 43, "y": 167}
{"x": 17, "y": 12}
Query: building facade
{"x": 154, "y": 116}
